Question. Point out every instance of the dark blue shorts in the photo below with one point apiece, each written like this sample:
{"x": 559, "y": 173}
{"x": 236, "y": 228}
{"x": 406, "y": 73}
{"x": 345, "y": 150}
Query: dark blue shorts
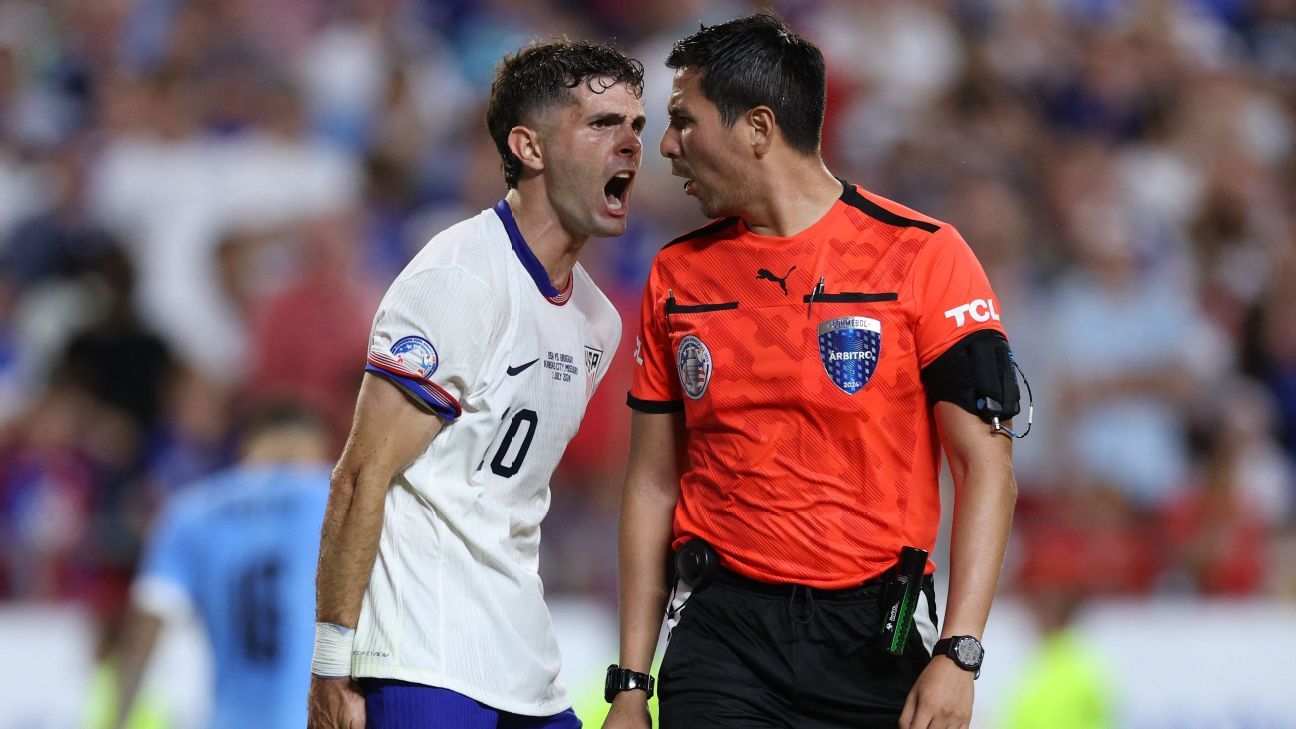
{"x": 391, "y": 704}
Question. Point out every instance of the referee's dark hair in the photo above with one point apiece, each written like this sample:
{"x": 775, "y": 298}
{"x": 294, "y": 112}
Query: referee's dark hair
{"x": 755, "y": 61}
{"x": 542, "y": 75}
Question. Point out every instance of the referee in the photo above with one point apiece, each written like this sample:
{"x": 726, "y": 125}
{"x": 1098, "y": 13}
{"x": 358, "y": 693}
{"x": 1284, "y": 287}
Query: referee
{"x": 802, "y": 362}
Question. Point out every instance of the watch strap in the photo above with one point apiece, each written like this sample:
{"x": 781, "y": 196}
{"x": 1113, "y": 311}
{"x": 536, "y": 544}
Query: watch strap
{"x": 942, "y": 647}
{"x": 623, "y": 679}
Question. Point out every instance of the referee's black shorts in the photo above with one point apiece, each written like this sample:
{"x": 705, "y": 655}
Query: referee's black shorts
{"x": 752, "y": 654}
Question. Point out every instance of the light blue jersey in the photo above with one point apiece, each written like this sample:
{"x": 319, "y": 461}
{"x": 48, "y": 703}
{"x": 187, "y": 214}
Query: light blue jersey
{"x": 240, "y": 548}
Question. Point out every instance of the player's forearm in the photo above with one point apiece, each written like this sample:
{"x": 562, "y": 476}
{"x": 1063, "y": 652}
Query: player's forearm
{"x": 139, "y": 636}
{"x": 985, "y": 495}
{"x": 349, "y": 543}
{"x": 643, "y": 553}
{"x": 388, "y": 434}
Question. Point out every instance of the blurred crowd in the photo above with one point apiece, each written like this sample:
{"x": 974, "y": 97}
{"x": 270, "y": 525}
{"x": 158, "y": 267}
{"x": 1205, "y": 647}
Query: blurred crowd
{"x": 201, "y": 202}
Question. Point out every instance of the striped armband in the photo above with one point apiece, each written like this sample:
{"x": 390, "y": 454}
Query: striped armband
{"x": 332, "y": 657}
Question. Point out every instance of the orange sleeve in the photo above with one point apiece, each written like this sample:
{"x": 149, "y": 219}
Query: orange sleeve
{"x": 655, "y": 384}
{"x": 952, "y": 294}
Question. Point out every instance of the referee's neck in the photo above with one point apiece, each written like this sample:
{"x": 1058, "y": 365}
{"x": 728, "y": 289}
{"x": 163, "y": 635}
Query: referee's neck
{"x": 788, "y": 195}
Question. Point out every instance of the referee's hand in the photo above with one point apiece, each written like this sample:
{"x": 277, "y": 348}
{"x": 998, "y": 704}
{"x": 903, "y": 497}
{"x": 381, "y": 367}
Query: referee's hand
{"x": 335, "y": 703}
{"x": 629, "y": 711}
{"x": 940, "y": 699}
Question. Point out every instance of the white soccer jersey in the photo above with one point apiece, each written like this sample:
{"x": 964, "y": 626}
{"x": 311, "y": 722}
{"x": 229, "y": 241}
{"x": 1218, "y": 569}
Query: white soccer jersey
{"x": 474, "y": 329}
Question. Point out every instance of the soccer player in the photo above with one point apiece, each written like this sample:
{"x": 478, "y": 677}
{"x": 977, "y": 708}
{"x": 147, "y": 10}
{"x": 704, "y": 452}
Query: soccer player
{"x": 484, "y": 353}
{"x": 801, "y": 362}
{"x": 239, "y": 550}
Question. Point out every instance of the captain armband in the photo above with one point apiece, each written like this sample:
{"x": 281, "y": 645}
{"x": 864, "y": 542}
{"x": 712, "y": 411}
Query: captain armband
{"x": 979, "y": 375}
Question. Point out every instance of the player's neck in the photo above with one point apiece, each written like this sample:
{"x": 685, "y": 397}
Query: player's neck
{"x": 791, "y": 196}
{"x": 552, "y": 244}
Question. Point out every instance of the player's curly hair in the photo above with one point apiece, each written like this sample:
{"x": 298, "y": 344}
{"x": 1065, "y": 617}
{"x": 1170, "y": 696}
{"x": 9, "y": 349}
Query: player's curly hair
{"x": 542, "y": 75}
{"x": 756, "y": 60}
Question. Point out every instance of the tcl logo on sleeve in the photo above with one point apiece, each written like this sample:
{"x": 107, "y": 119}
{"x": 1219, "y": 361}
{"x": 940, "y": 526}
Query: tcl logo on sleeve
{"x": 980, "y": 310}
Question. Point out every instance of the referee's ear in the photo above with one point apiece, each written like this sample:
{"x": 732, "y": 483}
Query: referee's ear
{"x": 524, "y": 143}
{"x": 761, "y": 127}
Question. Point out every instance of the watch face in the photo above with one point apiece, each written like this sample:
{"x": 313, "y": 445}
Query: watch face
{"x": 968, "y": 652}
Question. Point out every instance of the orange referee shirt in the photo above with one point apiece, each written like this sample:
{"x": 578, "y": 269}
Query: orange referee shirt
{"x": 812, "y": 450}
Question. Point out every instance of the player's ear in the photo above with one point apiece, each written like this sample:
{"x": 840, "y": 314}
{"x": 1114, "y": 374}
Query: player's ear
{"x": 760, "y": 123}
{"x": 524, "y": 142}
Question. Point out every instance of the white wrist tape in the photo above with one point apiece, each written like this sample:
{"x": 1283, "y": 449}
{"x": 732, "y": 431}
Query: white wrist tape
{"x": 332, "y": 657}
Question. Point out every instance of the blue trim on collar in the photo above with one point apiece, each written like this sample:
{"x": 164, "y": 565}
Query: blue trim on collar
{"x": 523, "y": 251}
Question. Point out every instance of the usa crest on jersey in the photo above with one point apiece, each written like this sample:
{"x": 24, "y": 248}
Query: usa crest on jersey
{"x": 849, "y": 347}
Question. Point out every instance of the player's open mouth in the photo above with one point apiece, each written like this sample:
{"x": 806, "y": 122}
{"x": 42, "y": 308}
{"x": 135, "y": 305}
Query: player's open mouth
{"x": 617, "y": 190}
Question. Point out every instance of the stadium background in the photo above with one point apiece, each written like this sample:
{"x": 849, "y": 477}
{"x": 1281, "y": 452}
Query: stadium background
{"x": 201, "y": 201}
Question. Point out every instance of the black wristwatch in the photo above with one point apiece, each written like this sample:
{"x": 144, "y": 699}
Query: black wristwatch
{"x": 964, "y": 650}
{"x": 623, "y": 679}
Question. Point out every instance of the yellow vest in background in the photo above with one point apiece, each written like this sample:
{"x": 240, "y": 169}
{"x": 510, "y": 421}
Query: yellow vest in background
{"x": 1065, "y": 688}
{"x": 101, "y": 706}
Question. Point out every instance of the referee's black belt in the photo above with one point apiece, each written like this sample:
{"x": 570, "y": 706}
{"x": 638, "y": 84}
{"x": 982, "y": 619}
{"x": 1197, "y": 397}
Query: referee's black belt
{"x": 869, "y": 588}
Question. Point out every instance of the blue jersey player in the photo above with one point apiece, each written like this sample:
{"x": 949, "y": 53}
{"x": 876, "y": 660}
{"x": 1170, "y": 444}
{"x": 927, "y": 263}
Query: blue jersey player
{"x": 239, "y": 550}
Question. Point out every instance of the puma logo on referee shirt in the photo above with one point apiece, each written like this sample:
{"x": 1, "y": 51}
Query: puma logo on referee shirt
{"x": 765, "y": 274}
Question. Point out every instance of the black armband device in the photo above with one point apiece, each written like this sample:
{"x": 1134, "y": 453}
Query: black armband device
{"x": 977, "y": 374}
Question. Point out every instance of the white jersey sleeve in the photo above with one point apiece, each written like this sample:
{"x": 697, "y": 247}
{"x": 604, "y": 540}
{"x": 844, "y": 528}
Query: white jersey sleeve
{"x": 431, "y": 335}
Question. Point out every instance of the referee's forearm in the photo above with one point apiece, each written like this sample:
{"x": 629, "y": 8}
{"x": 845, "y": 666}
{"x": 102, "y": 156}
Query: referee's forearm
{"x": 349, "y": 544}
{"x": 983, "y": 507}
{"x": 643, "y": 552}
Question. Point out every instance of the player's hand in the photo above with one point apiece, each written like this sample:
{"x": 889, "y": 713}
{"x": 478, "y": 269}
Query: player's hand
{"x": 940, "y": 699}
{"x": 629, "y": 711}
{"x": 335, "y": 703}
